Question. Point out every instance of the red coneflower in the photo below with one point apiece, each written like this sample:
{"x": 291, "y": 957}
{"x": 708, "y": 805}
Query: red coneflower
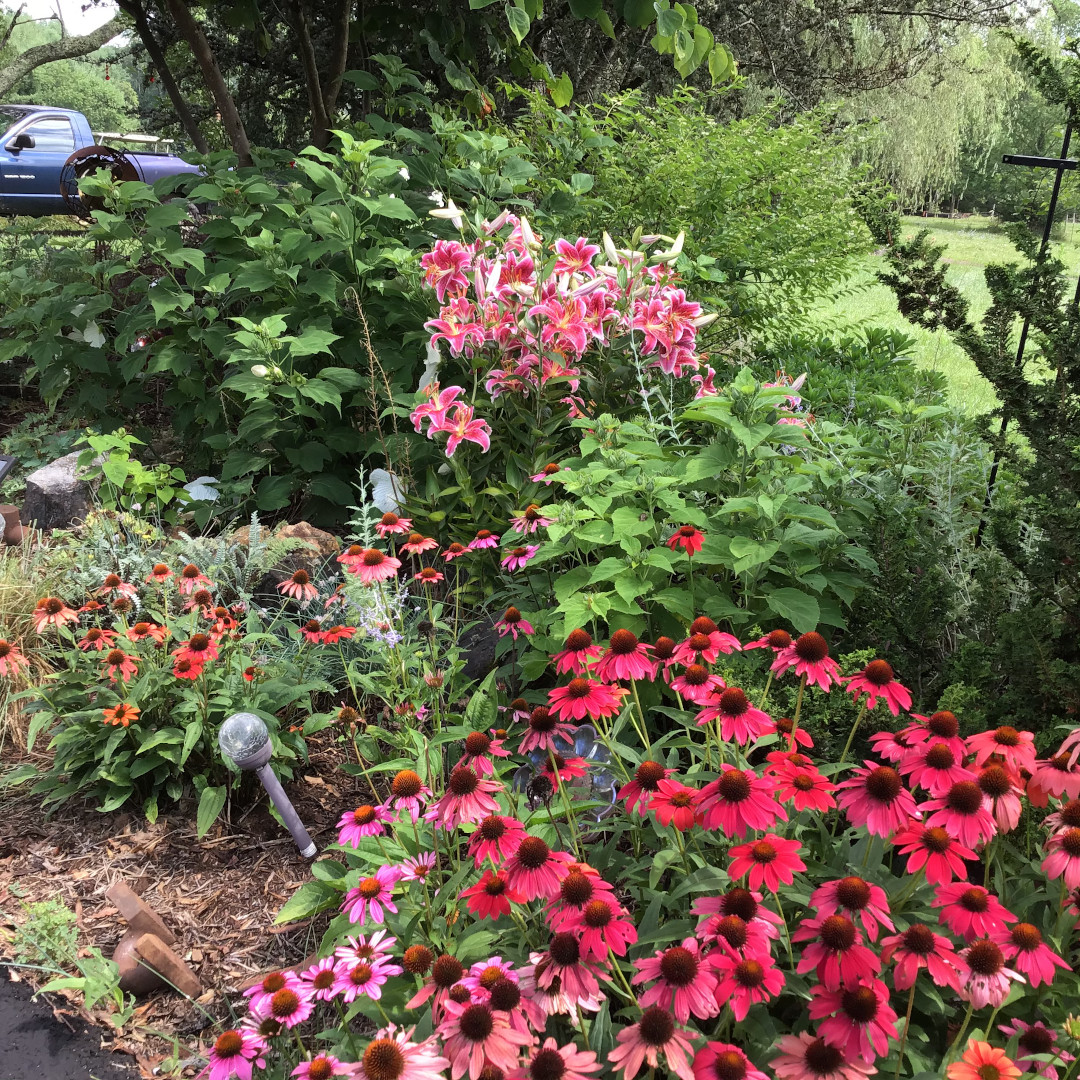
{"x": 853, "y": 896}
{"x": 496, "y": 837}
{"x": 535, "y": 870}
{"x": 114, "y": 583}
{"x": 697, "y": 684}
{"x": 52, "y": 611}
{"x": 428, "y": 576}
{"x": 933, "y": 765}
{"x": 777, "y": 640}
{"x": 603, "y": 926}
{"x": 809, "y": 656}
{"x": 475, "y": 1036}
{"x": 143, "y": 630}
{"x": 737, "y": 801}
{"x": 724, "y": 1061}
{"x": 674, "y": 804}
{"x": 837, "y": 953}
{"x": 454, "y": 551}
{"x": 161, "y": 573}
{"x": 299, "y": 587}
{"x": 332, "y": 635}
{"x": 875, "y": 797}
{"x": 118, "y": 664}
{"x": 491, "y": 896}
{"x": 682, "y": 981}
{"x": 962, "y": 814}
{"x": 96, "y": 638}
{"x": 932, "y": 848}
{"x": 739, "y": 721}
{"x": 625, "y": 658}
{"x": 199, "y": 648}
{"x": 417, "y": 544}
{"x": 373, "y": 565}
{"x": 1023, "y": 945}
{"x": 468, "y": 798}
{"x": 1016, "y": 747}
{"x": 746, "y": 981}
{"x": 804, "y": 787}
{"x": 705, "y": 643}
{"x": 687, "y": 537}
{"x": 121, "y": 714}
{"x": 860, "y": 1021}
{"x": 970, "y": 911}
{"x": 446, "y": 974}
{"x": 942, "y": 726}
{"x": 566, "y": 967}
{"x": 11, "y": 659}
{"x": 544, "y": 728}
{"x": 877, "y": 680}
{"x": 192, "y": 578}
{"x": 187, "y": 669}
{"x": 639, "y": 792}
{"x": 1057, "y": 777}
{"x": 578, "y": 654}
{"x": 770, "y": 861}
{"x": 1002, "y": 794}
{"x": 513, "y": 623}
{"x": 584, "y": 697}
{"x": 919, "y": 947}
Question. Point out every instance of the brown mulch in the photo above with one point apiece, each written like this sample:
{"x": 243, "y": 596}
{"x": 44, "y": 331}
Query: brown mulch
{"x": 219, "y": 895}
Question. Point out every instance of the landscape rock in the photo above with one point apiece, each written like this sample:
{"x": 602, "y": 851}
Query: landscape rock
{"x": 56, "y": 495}
{"x": 168, "y": 965}
{"x": 478, "y": 645}
{"x": 137, "y": 913}
{"x": 319, "y": 546}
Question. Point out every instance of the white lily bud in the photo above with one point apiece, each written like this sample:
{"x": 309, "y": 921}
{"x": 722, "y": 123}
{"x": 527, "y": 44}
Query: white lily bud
{"x": 676, "y": 248}
{"x": 260, "y": 371}
{"x": 650, "y": 238}
{"x": 704, "y": 320}
{"x": 590, "y": 286}
{"x": 493, "y": 227}
{"x": 450, "y": 212}
{"x": 493, "y": 278}
{"x": 403, "y": 173}
{"x": 610, "y": 250}
{"x": 527, "y": 234}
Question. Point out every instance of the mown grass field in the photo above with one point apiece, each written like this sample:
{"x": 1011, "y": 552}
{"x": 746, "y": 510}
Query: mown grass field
{"x": 971, "y": 246}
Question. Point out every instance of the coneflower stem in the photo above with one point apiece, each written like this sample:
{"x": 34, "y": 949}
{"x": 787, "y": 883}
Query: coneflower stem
{"x": 787, "y": 932}
{"x": 798, "y": 709}
{"x": 903, "y": 1036}
{"x": 644, "y": 732}
{"x": 960, "y": 1034}
{"x": 690, "y": 581}
{"x": 851, "y": 734}
{"x": 348, "y": 1030}
{"x": 768, "y": 685}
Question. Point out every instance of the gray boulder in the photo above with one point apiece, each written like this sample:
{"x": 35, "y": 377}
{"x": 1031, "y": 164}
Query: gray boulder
{"x": 56, "y": 495}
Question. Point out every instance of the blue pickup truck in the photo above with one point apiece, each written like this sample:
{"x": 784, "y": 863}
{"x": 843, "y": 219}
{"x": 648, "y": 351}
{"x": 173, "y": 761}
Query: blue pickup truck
{"x": 44, "y": 152}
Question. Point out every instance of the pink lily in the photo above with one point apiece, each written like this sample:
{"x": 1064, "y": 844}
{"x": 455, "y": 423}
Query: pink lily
{"x": 461, "y": 426}
{"x": 456, "y": 326}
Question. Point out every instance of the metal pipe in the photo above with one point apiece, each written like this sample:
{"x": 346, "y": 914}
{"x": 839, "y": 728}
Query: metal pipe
{"x": 285, "y": 808}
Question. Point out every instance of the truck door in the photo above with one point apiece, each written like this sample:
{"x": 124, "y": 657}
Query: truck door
{"x": 30, "y": 177}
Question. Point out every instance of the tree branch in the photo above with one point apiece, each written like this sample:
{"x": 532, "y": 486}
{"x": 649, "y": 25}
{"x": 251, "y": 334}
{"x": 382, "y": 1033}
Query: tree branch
{"x": 11, "y": 27}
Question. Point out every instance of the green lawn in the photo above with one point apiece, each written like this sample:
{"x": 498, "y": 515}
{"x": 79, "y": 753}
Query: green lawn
{"x": 970, "y": 247}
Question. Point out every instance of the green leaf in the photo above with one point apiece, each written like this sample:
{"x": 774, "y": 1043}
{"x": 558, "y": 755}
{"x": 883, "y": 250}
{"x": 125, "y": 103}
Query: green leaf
{"x": 161, "y": 737}
{"x": 274, "y": 492}
{"x": 311, "y": 898}
{"x": 211, "y": 802}
{"x": 796, "y": 607}
{"x": 459, "y": 77}
{"x": 389, "y": 207}
{"x": 519, "y": 22}
{"x": 562, "y": 91}
{"x": 603, "y": 20}
{"x": 321, "y": 392}
{"x": 669, "y": 23}
{"x": 312, "y": 340}
{"x": 639, "y": 13}
{"x": 586, "y": 9}
{"x": 721, "y": 66}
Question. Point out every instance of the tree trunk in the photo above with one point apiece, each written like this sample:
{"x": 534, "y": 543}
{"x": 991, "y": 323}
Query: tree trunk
{"x": 306, "y": 51}
{"x": 135, "y": 9}
{"x": 339, "y": 58}
{"x": 192, "y": 33}
{"x": 65, "y": 49}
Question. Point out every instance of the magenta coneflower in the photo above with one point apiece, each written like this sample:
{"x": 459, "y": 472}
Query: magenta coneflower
{"x": 934, "y": 849}
{"x": 417, "y": 544}
{"x": 744, "y": 905}
{"x": 853, "y": 896}
{"x": 837, "y": 953}
{"x": 639, "y": 792}
{"x": 578, "y": 654}
{"x": 875, "y": 797}
{"x": 919, "y": 947}
{"x": 479, "y": 748}
{"x": 322, "y": 1067}
{"x": 518, "y": 558}
{"x": 737, "y": 801}
{"x": 417, "y": 868}
{"x": 372, "y": 896}
{"x": 559, "y": 769}
{"x": 806, "y": 1057}
{"x": 674, "y": 804}
{"x": 291, "y": 1005}
{"x": 625, "y": 658}
{"x": 777, "y": 640}
{"x": 745, "y": 981}
{"x": 554, "y": 1062}
{"x": 374, "y": 565}
{"x": 1063, "y": 858}
{"x": 513, "y": 623}
{"x": 970, "y": 911}
{"x": 497, "y": 837}
{"x": 739, "y": 721}
{"x": 986, "y": 978}
{"x": 263, "y": 991}
{"x": 655, "y": 1034}
{"x": 877, "y": 680}
{"x": 468, "y": 798}
{"x": 362, "y": 979}
{"x": 475, "y": 1036}
{"x": 585, "y": 697}
{"x": 891, "y": 746}
{"x": 804, "y": 787}
{"x": 535, "y": 870}
{"x": 860, "y": 1021}
{"x": 769, "y": 861}
{"x": 484, "y": 538}
{"x": 961, "y": 813}
{"x": 365, "y": 820}
{"x": 603, "y": 925}
{"x": 942, "y": 726}
{"x": 491, "y": 896}
{"x": 567, "y": 965}
{"x": 697, "y": 684}
{"x": 1036, "y": 1039}
{"x": 321, "y": 979}
{"x": 809, "y": 656}
{"x": 682, "y": 980}
{"x": 408, "y": 792}
{"x": 1002, "y": 792}
{"x": 233, "y": 1054}
{"x": 529, "y": 520}
{"x": 1024, "y": 947}
{"x": 687, "y": 537}
{"x": 724, "y": 1061}
{"x": 1017, "y": 748}
{"x": 546, "y": 475}
{"x": 392, "y": 525}
{"x": 734, "y": 936}
{"x": 933, "y": 765}
{"x": 299, "y": 587}
{"x": 545, "y": 727}
{"x": 485, "y": 974}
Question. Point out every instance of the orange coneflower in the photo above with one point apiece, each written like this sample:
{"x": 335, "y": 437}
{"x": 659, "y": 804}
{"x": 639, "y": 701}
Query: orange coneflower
{"x": 121, "y": 714}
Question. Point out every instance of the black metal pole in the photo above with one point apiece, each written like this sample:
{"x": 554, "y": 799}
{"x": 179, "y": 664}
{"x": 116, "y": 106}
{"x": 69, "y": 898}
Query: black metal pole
{"x": 1022, "y": 344}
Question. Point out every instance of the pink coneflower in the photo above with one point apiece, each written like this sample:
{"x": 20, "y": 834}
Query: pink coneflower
{"x": 1036, "y": 1039}
{"x": 1023, "y": 945}
{"x": 553, "y": 1062}
{"x": 875, "y": 797}
{"x": 514, "y": 623}
{"x": 674, "y": 804}
{"x": 559, "y": 769}
{"x": 96, "y": 638}
{"x": 479, "y": 749}
{"x": 199, "y": 648}
{"x": 655, "y": 1034}
{"x": 535, "y": 870}
{"x": 546, "y": 475}
{"x": 919, "y": 947}
{"x": 545, "y": 727}
{"x": 454, "y": 551}
{"x": 724, "y": 1061}
{"x": 581, "y": 885}
{"x": 719, "y": 642}
{"x": 701, "y": 648}
{"x": 1054, "y": 777}
{"x": 491, "y": 896}
{"x": 809, "y": 656}
{"x": 374, "y": 950}
{"x": 603, "y": 925}
{"x": 372, "y": 897}
{"x": 942, "y": 726}
{"x": 891, "y": 746}
{"x": 961, "y": 813}
{"x": 585, "y": 697}
{"x": 568, "y": 968}
{"x": 806, "y": 1057}
{"x": 365, "y": 820}
{"x": 1067, "y": 816}
{"x": 160, "y": 574}
{"x": 363, "y": 979}
{"x": 299, "y": 587}
{"x": 777, "y": 640}
{"x": 417, "y": 868}
{"x": 804, "y": 787}
{"x": 11, "y": 659}
{"x": 484, "y": 539}
{"x": 446, "y": 974}
{"x": 640, "y": 791}
{"x": 485, "y": 974}
{"x": 981, "y": 1061}
{"x": 1063, "y": 858}
{"x": 428, "y": 575}
{"x": 1017, "y": 748}
{"x": 392, "y": 1055}
{"x": 970, "y": 911}
{"x": 497, "y": 837}
{"x": 745, "y": 981}
{"x": 986, "y": 978}
{"x": 468, "y": 798}
{"x": 625, "y": 658}
{"x": 117, "y": 664}
{"x": 408, "y": 792}
{"x": 234, "y": 1053}
{"x": 322, "y": 1067}
{"x": 697, "y": 684}
{"x": 682, "y": 980}
{"x": 769, "y": 861}
{"x": 312, "y": 631}
{"x": 578, "y": 654}
{"x": 475, "y": 1035}
{"x": 851, "y": 896}
{"x": 192, "y": 578}
{"x": 321, "y": 979}
{"x": 935, "y": 849}
{"x": 877, "y": 680}
{"x": 52, "y": 611}
{"x": 374, "y": 565}
{"x": 687, "y": 537}
{"x": 392, "y": 525}
{"x": 737, "y": 801}
{"x": 739, "y": 721}
{"x": 417, "y": 544}
{"x": 860, "y": 1021}
{"x": 518, "y": 558}
{"x": 837, "y": 953}
{"x": 1001, "y": 795}
{"x": 141, "y": 631}
{"x": 529, "y": 520}
{"x": 933, "y": 765}
{"x": 263, "y": 991}
{"x": 291, "y": 1005}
